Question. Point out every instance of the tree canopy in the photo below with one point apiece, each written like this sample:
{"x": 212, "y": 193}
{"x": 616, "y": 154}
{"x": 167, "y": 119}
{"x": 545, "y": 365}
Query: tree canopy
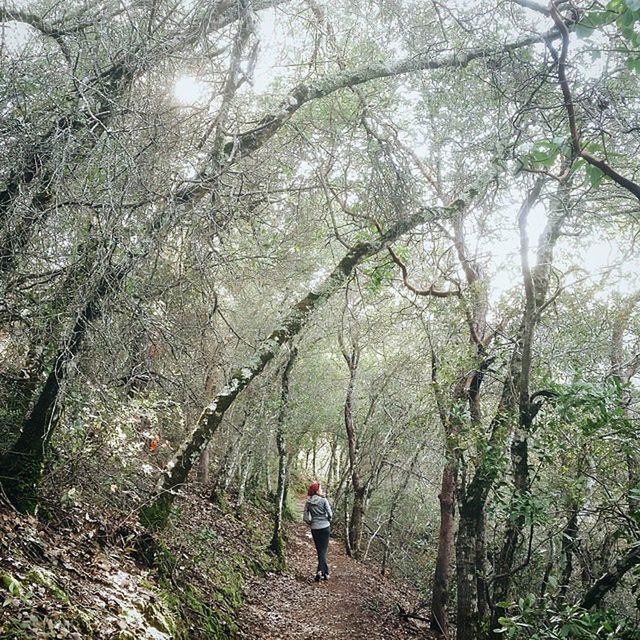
{"x": 388, "y": 244}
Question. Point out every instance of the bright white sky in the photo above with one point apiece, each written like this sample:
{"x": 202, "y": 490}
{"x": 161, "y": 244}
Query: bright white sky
{"x": 190, "y": 91}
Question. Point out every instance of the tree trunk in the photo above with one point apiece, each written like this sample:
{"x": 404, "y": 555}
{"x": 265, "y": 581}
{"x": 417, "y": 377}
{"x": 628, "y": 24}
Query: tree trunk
{"x": 610, "y": 580}
{"x": 515, "y": 524}
{"x": 569, "y": 535}
{"x": 481, "y": 570}
{"x": 442, "y": 575}
{"x": 332, "y": 473}
{"x": 276, "y": 546}
{"x": 314, "y": 456}
{"x": 470, "y": 529}
{"x": 203, "y": 467}
{"x": 356, "y": 522}
{"x": 21, "y": 467}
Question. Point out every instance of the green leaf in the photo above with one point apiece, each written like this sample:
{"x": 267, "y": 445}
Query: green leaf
{"x": 578, "y": 164}
{"x": 543, "y": 155}
{"x": 595, "y": 19}
{"x": 583, "y": 30}
{"x": 595, "y": 176}
{"x": 633, "y": 64}
{"x": 594, "y": 147}
{"x": 627, "y": 18}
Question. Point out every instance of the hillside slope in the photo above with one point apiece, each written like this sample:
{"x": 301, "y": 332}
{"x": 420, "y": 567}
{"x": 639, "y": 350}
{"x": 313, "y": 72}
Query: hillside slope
{"x": 78, "y": 579}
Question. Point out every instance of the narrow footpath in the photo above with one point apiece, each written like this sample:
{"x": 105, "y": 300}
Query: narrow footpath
{"x": 356, "y": 603}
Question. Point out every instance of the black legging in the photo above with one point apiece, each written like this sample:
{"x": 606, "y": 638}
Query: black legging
{"x": 321, "y": 540}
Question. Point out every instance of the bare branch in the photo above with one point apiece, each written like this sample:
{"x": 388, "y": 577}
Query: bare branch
{"x": 431, "y": 291}
{"x": 578, "y": 151}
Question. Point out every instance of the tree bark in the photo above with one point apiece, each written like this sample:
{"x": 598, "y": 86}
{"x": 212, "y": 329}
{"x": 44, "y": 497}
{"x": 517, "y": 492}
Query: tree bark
{"x": 21, "y": 467}
{"x": 203, "y": 467}
{"x": 276, "y": 546}
{"x": 610, "y": 580}
{"x": 470, "y": 529}
{"x": 569, "y": 535}
{"x": 442, "y": 575}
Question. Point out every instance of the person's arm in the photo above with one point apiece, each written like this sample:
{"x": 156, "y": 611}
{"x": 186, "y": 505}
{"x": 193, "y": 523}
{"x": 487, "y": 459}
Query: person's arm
{"x": 328, "y": 510}
{"x": 306, "y": 516}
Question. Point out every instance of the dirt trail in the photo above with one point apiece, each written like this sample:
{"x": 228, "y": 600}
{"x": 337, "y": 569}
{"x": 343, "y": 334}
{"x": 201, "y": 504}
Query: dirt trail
{"x": 355, "y": 604}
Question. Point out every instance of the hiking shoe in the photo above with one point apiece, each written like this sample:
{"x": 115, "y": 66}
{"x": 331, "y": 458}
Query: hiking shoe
{"x": 325, "y": 576}
{"x": 318, "y": 577}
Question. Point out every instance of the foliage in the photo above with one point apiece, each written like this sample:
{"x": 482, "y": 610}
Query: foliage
{"x": 542, "y": 619}
{"x": 149, "y": 241}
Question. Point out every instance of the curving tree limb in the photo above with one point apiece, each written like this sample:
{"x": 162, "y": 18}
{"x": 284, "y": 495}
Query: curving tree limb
{"x": 577, "y": 149}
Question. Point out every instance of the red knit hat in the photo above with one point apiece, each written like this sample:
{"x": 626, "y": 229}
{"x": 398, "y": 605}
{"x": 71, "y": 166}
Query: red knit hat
{"x": 314, "y": 487}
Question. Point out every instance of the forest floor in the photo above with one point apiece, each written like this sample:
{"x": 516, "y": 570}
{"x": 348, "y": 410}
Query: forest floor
{"x": 356, "y": 602}
{"x": 77, "y": 579}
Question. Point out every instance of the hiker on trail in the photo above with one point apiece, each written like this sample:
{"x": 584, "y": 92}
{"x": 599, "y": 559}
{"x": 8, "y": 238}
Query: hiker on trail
{"x": 318, "y": 514}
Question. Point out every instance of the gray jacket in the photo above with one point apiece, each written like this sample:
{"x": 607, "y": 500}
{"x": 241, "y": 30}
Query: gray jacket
{"x": 317, "y": 512}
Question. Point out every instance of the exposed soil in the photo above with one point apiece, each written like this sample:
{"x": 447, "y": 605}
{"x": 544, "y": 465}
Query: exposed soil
{"x": 355, "y": 603}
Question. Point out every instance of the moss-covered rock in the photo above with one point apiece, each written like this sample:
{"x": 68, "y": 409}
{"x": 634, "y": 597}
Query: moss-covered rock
{"x": 12, "y": 585}
{"x": 158, "y": 615}
{"x": 47, "y": 579}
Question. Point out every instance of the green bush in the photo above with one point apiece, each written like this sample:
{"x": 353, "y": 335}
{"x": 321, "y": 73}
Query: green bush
{"x": 537, "y": 618}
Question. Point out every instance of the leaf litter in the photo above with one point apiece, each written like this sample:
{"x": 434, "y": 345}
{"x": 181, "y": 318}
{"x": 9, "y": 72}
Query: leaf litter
{"x": 356, "y": 602}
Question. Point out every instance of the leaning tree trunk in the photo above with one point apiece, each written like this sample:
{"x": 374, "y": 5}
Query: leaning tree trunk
{"x": 22, "y": 466}
{"x": 156, "y": 513}
{"x": 276, "y": 547}
{"x": 610, "y": 580}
